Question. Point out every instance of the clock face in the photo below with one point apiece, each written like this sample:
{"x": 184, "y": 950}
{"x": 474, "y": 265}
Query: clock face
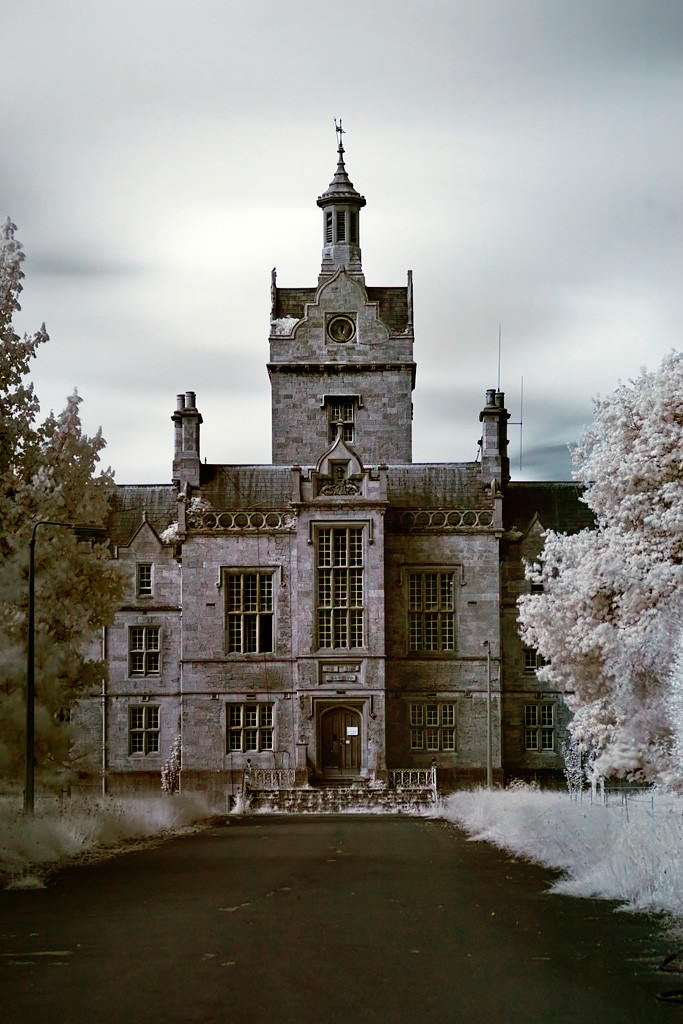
{"x": 341, "y": 329}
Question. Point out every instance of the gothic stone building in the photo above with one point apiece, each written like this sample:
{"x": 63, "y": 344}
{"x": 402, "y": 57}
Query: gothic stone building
{"x": 342, "y": 611}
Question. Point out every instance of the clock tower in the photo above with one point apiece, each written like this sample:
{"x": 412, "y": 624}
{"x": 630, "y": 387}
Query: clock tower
{"x": 341, "y": 352}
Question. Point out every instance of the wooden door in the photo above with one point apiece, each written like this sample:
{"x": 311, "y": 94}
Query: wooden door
{"x": 340, "y": 731}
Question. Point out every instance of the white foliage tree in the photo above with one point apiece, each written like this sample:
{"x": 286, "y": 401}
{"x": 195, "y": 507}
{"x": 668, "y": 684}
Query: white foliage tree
{"x": 675, "y": 702}
{"x": 608, "y": 615}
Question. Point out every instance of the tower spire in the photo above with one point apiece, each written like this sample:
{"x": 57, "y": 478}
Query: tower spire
{"x": 341, "y": 204}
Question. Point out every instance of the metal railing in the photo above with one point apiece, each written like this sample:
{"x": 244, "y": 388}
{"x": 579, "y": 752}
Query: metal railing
{"x": 413, "y": 778}
{"x": 269, "y": 778}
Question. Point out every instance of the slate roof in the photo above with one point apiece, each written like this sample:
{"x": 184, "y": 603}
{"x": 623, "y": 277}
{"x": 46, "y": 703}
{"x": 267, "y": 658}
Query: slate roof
{"x": 433, "y": 485}
{"x": 246, "y": 487}
{"x": 131, "y": 501}
{"x": 557, "y": 503}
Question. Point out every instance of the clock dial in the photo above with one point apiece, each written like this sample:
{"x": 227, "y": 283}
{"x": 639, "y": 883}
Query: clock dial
{"x": 341, "y": 329}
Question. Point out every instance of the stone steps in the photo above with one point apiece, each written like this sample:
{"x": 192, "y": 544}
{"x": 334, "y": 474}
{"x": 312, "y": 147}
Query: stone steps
{"x": 340, "y": 800}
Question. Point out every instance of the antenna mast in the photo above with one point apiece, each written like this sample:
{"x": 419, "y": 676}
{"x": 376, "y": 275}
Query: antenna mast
{"x": 520, "y": 423}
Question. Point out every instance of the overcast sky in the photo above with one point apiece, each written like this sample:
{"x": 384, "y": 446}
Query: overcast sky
{"x": 522, "y": 157}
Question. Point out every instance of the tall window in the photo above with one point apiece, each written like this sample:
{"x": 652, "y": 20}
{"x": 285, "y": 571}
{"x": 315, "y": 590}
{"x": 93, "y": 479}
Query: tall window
{"x": 344, "y": 410}
{"x": 328, "y": 227}
{"x": 340, "y": 586}
{"x": 250, "y": 727}
{"x": 539, "y": 727}
{"x": 249, "y": 612}
{"x": 143, "y": 729}
{"x": 143, "y": 579}
{"x": 431, "y": 611}
{"x": 432, "y": 726}
{"x": 144, "y": 650}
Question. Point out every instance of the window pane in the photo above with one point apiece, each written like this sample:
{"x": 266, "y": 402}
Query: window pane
{"x": 153, "y": 663}
{"x": 267, "y": 714}
{"x": 417, "y": 739}
{"x": 266, "y": 739}
{"x": 448, "y": 714}
{"x": 432, "y": 714}
{"x": 137, "y": 638}
{"x": 432, "y": 739}
{"x": 448, "y": 739}
{"x": 235, "y": 714}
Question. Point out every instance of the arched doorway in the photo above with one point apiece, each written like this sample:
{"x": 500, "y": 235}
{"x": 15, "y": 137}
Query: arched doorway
{"x": 340, "y": 738}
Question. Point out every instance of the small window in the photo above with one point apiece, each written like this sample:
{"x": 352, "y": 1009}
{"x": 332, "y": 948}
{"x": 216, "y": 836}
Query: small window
{"x": 328, "y": 227}
{"x": 144, "y": 650}
{"x": 143, "y": 729}
{"x": 249, "y": 612}
{"x": 536, "y": 585}
{"x": 533, "y": 660}
{"x": 143, "y": 579}
{"x": 432, "y": 726}
{"x": 250, "y": 727}
{"x": 353, "y": 227}
{"x": 341, "y": 410}
{"x": 341, "y": 226}
{"x": 539, "y": 727}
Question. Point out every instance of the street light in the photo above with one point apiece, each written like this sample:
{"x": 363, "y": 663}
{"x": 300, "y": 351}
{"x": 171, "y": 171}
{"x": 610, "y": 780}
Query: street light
{"x": 84, "y": 531}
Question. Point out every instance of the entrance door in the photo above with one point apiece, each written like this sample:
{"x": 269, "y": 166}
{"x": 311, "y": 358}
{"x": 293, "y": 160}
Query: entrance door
{"x": 340, "y": 733}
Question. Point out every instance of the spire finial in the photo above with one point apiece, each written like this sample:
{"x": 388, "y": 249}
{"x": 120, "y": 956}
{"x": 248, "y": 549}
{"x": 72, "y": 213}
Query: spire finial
{"x": 340, "y": 131}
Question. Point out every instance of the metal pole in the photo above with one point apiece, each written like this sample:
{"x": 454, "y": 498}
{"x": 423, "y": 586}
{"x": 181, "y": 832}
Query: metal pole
{"x": 489, "y": 758}
{"x": 29, "y": 787}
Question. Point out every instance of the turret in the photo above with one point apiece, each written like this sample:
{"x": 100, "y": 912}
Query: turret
{"x": 341, "y": 205}
{"x": 186, "y": 461}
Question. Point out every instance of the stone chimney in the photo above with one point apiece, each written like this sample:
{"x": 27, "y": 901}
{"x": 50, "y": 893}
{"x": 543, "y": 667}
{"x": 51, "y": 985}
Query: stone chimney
{"x": 186, "y": 462}
{"x": 495, "y": 464}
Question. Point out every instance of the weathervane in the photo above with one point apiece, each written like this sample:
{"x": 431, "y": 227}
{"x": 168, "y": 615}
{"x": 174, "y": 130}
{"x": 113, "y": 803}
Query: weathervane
{"x": 340, "y": 131}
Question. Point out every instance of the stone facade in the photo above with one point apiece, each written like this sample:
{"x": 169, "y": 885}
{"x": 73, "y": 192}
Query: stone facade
{"x": 342, "y": 612}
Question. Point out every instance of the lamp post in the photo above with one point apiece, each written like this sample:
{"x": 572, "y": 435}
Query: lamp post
{"x": 84, "y": 532}
{"x": 489, "y": 757}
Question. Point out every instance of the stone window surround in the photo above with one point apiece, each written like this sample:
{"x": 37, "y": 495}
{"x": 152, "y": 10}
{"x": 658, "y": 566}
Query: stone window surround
{"x": 144, "y": 579}
{"x": 455, "y": 570}
{"x": 144, "y": 722}
{"x": 432, "y": 726}
{"x": 144, "y": 650}
{"x": 351, "y": 573}
{"x": 249, "y": 727}
{"x": 540, "y": 727}
{"x": 273, "y": 573}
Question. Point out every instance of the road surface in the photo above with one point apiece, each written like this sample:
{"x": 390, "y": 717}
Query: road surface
{"x": 324, "y": 919}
